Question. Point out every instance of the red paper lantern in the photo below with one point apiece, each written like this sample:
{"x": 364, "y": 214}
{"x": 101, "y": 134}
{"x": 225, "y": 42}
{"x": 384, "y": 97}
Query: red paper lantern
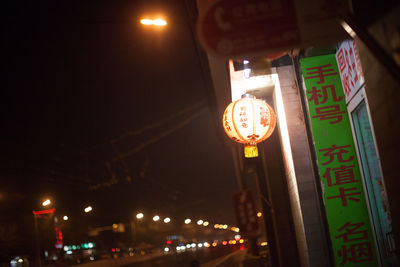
{"x": 249, "y": 121}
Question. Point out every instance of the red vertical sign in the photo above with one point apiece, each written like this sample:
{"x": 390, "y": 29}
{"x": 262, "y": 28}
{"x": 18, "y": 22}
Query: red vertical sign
{"x": 246, "y": 212}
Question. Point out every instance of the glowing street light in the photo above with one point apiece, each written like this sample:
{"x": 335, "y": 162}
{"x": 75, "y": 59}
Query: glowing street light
{"x": 88, "y": 209}
{"x": 154, "y": 22}
{"x": 187, "y": 221}
{"x": 206, "y": 223}
{"x": 156, "y": 218}
{"x": 46, "y": 202}
{"x": 139, "y": 216}
{"x": 65, "y": 218}
{"x": 199, "y": 222}
{"x": 167, "y": 220}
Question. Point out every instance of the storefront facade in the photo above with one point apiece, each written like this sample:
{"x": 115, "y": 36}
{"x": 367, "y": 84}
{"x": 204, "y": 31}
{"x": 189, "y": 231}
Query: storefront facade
{"x": 330, "y": 171}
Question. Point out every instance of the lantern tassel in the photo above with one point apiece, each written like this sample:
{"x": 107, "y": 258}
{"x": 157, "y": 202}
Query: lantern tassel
{"x": 250, "y": 150}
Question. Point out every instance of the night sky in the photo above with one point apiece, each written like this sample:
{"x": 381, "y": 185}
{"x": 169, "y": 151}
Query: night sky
{"x": 99, "y": 110}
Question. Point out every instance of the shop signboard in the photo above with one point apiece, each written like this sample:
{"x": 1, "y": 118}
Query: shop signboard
{"x": 350, "y": 68}
{"x": 343, "y": 193}
{"x": 246, "y": 213}
{"x": 238, "y": 28}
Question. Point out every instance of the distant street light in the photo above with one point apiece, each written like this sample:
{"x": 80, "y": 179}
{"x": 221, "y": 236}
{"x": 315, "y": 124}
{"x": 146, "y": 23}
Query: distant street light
{"x": 46, "y": 202}
{"x": 154, "y": 22}
{"x": 167, "y": 220}
{"x": 187, "y": 221}
{"x": 156, "y": 218}
{"x": 199, "y": 222}
{"x": 65, "y": 218}
{"x": 88, "y": 209}
{"x": 206, "y": 223}
{"x": 139, "y": 216}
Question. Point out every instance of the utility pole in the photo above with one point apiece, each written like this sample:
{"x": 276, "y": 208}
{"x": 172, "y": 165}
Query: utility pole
{"x": 37, "y": 247}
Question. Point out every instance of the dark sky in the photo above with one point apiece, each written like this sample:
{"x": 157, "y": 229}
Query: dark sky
{"x": 85, "y": 85}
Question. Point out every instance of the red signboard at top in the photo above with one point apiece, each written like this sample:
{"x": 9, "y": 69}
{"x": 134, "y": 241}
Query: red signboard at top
{"x": 236, "y": 27}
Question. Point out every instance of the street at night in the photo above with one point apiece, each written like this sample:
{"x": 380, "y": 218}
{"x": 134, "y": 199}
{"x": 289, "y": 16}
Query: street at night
{"x": 200, "y": 133}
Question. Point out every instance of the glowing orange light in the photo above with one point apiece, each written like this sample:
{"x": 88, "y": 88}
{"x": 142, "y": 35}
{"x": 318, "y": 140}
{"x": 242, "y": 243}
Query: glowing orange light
{"x": 241, "y": 241}
{"x": 259, "y": 214}
{"x": 214, "y": 244}
{"x": 154, "y": 22}
{"x": 224, "y": 243}
{"x": 249, "y": 121}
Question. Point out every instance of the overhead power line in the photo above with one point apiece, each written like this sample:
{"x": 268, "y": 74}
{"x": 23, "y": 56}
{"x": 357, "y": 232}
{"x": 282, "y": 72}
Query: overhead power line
{"x": 158, "y": 123}
{"x": 153, "y": 140}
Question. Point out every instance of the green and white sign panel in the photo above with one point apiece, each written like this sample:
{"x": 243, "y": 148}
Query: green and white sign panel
{"x": 343, "y": 193}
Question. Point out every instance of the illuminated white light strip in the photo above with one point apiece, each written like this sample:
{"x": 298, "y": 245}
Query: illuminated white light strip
{"x": 285, "y": 140}
{"x": 348, "y": 29}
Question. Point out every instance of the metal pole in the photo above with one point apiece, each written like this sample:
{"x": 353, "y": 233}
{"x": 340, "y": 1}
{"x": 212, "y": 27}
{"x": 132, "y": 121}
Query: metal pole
{"x": 238, "y": 168}
{"x": 268, "y": 212}
{"x": 38, "y": 261}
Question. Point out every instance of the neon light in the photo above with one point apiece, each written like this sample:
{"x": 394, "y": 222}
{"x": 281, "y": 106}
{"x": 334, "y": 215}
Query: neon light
{"x": 38, "y": 212}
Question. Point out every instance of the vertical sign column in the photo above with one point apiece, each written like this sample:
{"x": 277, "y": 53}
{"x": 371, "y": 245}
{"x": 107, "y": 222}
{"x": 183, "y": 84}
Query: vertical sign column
{"x": 349, "y": 68}
{"x": 343, "y": 193}
{"x": 246, "y": 213}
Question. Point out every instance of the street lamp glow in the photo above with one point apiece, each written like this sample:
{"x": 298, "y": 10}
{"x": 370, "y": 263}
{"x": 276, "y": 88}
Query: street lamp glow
{"x": 199, "y": 222}
{"x": 146, "y": 21}
{"x": 46, "y": 202}
{"x": 159, "y": 22}
{"x": 225, "y": 226}
{"x": 154, "y": 22}
{"x": 139, "y": 216}
{"x": 88, "y": 209}
{"x": 187, "y": 221}
{"x": 156, "y": 218}
{"x": 167, "y": 220}
{"x": 65, "y": 218}
{"x": 206, "y": 223}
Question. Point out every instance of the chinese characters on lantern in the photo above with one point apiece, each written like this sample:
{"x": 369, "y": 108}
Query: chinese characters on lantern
{"x": 248, "y": 120}
{"x": 343, "y": 192}
{"x": 243, "y": 117}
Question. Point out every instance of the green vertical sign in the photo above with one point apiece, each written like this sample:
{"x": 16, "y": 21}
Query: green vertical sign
{"x": 343, "y": 193}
